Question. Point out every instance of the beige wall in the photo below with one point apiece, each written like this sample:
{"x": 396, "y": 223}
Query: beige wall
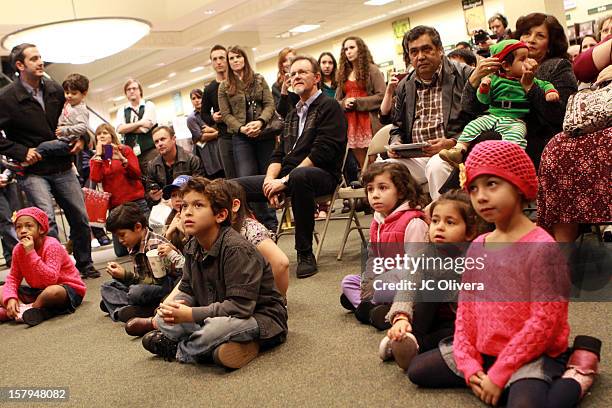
{"x": 580, "y": 15}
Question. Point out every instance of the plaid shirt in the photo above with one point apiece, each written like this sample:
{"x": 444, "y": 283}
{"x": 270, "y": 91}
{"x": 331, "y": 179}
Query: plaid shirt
{"x": 142, "y": 273}
{"x": 428, "y": 117}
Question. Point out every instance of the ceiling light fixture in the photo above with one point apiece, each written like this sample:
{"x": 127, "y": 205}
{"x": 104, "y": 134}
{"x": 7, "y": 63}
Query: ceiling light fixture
{"x": 80, "y": 40}
{"x": 172, "y": 75}
{"x": 156, "y": 84}
{"x": 304, "y": 28}
{"x": 226, "y": 27}
{"x": 209, "y": 11}
{"x": 377, "y": 2}
{"x": 196, "y": 69}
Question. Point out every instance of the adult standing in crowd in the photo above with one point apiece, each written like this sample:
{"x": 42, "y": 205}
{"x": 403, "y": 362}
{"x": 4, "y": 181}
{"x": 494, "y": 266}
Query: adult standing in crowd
{"x": 119, "y": 174}
{"x": 210, "y": 110}
{"x": 29, "y": 111}
{"x": 7, "y": 207}
{"x": 428, "y": 106}
{"x": 135, "y": 121}
{"x": 548, "y": 61}
{"x": 170, "y": 162}
{"x": 361, "y": 87}
{"x": 284, "y": 97}
{"x": 307, "y": 161}
{"x": 329, "y": 68}
{"x": 247, "y": 106}
{"x": 575, "y": 170}
{"x": 205, "y": 139}
{"x": 604, "y": 27}
{"x": 498, "y": 25}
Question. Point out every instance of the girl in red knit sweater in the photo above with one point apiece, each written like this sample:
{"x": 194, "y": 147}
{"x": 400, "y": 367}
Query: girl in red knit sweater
{"x": 55, "y": 285}
{"x": 511, "y": 337}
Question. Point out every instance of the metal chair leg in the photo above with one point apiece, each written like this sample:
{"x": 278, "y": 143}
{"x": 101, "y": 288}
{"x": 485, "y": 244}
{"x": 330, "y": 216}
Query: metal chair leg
{"x": 347, "y": 230}
{"x": 327, "y": 218}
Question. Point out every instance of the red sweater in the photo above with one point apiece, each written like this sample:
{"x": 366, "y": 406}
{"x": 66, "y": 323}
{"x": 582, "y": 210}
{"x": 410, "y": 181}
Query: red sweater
{"x": 517, "y": 331}
{"x": 49, "y": 265}
{"x": 123, "y": 183}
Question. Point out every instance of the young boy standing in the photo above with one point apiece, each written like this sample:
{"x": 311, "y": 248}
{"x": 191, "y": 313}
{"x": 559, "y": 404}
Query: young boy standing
{"x": 135, "y": 294}
{"x": 227, "y": 305}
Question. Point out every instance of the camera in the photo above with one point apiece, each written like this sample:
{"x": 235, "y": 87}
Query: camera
{"x": 480, "y": 36}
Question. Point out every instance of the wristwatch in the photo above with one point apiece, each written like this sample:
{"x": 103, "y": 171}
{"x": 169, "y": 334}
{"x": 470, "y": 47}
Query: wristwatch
{"x": 285, "y": 180}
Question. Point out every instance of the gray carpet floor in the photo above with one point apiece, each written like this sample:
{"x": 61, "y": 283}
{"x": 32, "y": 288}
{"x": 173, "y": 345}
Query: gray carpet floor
{"x": 329, "y": 359}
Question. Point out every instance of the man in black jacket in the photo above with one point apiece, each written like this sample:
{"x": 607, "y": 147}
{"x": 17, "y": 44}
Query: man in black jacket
{"x": 307, "y": 162}
{"x": 29, "y": 111}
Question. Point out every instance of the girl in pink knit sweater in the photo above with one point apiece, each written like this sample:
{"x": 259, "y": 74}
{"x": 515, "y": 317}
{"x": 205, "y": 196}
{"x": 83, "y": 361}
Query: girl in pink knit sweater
{"x": 55, "y": 285}
{"x": 511, "y": 334}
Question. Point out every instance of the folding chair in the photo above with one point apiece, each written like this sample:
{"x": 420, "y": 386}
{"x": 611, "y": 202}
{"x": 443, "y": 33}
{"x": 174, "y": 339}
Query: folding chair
{"x": 377, "y": 146}
{"x": 286, "y": 216}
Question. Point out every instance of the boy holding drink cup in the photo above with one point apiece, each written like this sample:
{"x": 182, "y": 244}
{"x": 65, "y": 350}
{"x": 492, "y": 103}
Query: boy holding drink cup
{"x": 137, "y": 293}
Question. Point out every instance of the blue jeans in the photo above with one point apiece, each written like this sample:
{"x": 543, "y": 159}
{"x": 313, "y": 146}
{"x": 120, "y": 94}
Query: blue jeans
{"x": 198, "y": 341}
{"x": 116, "y": 295}
{"x": 251, "y": 158}
{"x": 7, "y": 231}
{"x": 53, "y": 148}
{"x": 66, "y": 190}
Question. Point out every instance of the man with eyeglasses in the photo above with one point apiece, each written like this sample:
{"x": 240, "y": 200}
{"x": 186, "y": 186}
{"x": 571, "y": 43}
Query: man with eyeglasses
{"x": 428, "y": 107}
{"x": 135, "y": 121}
{"x": 307, "y": 162}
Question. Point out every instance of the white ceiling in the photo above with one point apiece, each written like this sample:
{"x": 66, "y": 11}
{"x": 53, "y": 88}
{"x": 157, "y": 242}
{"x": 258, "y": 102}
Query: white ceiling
{"x": 184, "y": 30}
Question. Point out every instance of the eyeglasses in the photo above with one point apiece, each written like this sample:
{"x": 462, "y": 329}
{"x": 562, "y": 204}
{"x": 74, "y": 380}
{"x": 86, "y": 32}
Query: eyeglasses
{"x": 300, "y": 73}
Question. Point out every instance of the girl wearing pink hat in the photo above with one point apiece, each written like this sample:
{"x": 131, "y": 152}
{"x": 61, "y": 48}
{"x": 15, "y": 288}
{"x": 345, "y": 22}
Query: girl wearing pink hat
{"x": 55, "y": 285}
{"x": 511, "y": 333}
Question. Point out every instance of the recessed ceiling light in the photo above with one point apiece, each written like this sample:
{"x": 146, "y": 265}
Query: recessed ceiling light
{"x": 304, "y": 28}
{"x": 118, "y": 98}
{"x": 196, "y": 69}
{"x": 155, "y": 85}
{"x": 254, "y": 49}
{"x": 209, "y": 11}
{"x": 172, "y": 75}
{"x": 161, "y": 64}
{"x": 226, "y": 27}
{"x": 377, "y": 2}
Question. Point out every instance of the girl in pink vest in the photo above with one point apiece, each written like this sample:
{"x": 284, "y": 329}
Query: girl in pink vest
{"x": 510, "y": 345}
{"x": 396, "y": 198}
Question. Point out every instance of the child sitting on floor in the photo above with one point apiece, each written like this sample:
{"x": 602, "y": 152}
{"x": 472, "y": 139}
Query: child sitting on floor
{"x": 55, "y": 285}
{"x": 507, "y": 98}
{"x": 136, "y": 294}
{"x": 396, "y": 198}
{"x": 422, "y": 318}
{"x": 511, "y": 332}
{"x": 227, "y": 305}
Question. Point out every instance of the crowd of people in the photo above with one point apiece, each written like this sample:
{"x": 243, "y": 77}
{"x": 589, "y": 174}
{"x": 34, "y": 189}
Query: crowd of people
{"x": 213, "y": 283}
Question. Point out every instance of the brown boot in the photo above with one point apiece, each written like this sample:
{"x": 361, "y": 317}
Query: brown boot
{"x": 139, "y": 326}
{"x": 235, "y": 355}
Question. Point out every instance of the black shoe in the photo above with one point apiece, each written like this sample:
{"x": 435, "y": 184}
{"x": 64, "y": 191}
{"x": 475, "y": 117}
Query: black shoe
{"x": 35, "y": 316}
{"x": 346, "y": 303}
{"x": 158, "y": 344}
{"x": 377, "y": 317}
{"x": 90, "y": 272}
{"x": 362, "y": 312}
{"x": 103, "y": 307}
{"x": 104, "y": 240}
{"x": 346, "y": 206}
{"x": 129, "y": 312}
{"x": 307, "y": 265}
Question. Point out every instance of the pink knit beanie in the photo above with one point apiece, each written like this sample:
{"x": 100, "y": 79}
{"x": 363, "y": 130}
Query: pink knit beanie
{"x": 505, "y": 160}
{"x": 39, "y": 215}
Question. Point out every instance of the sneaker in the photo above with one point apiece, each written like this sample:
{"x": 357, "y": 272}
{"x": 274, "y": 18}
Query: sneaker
{"x": 378, "y": 316}
{"x": 454, "y": 156}
{"x": 346, "y": 303}
{"x": 307, "y": 266}
{"x": 384, "y": 349}
{"x": 90, "y": 272}
{"x": 235, "y": 355}
{"x": 3, "y": 315}
{"x": 34, "y": 316}
{"x": 583, "y": 364}
{"x": 404, "y": 350}
{"x": 129, "y": 312}
{"x": 155, "y": 342}
{"x": 104, "y": 240}
{"x": 95, "y": 243}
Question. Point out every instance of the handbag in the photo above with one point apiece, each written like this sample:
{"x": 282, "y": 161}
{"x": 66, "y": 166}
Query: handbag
{"x": 589, "y": 110}
{"x": 96, "y": 204}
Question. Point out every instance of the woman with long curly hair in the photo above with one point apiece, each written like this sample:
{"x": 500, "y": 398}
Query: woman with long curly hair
{"x": 361, "y": 87}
